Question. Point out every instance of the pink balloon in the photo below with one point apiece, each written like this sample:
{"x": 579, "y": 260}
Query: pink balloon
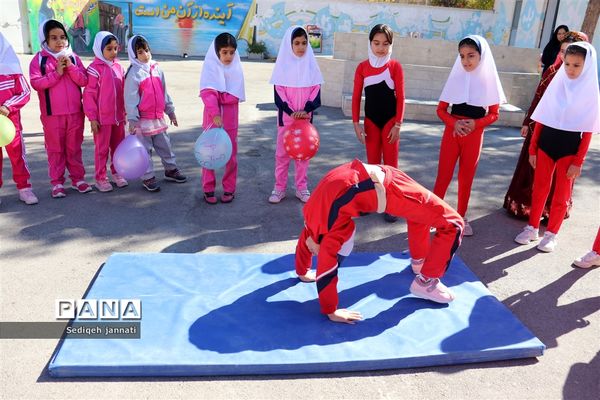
{"x": 131, "y": 159}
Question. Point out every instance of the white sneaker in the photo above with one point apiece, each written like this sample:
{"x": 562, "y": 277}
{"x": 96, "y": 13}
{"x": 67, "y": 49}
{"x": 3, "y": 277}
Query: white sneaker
{"x": 548, "y": 242}
{"x": 303, "y": 195}
{"x": 276, "y": 196}
{"x": 26, "y": 196}
{"x": 468, "y": 231}
{"x": 591, "y": 259}
{"x": 529, "y": 234}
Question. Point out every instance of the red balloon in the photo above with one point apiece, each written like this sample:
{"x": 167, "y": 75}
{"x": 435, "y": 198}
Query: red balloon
{"x": 301, "y": 140}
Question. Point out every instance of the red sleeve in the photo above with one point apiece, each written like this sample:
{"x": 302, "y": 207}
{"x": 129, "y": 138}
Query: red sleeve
{"x": 39, "y": 81}
{"x": 533, "y": 145}
{"x": 77, "y": 73}
{"x": 444, "y": 115}
{"x": 490, "y": 118}
{"x": 357, "y": 92}
{"x": 586, "y": 138}
{"x": 210, "y": 98}
{"x": 539, "y": 92}
{"x": 399, "y": 87}
{"x": 21, "y": 96}
{"x": 327, "y": 264}
{"x": 303, "y": 255}
{"x": 90, "y": 95}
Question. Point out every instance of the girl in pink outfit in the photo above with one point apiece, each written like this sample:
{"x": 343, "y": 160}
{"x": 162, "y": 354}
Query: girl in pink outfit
{"x": 297, "y": 79}
{"x": 104, "y": 106}
{"x": 58, "y": 75}
{"x": 14, "y": 94}
{"x": 221, "y": 90}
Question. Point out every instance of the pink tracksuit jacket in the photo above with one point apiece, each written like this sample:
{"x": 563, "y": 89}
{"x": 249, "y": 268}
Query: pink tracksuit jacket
{"x": 61, "y": 114}
{"x": 14, "y": 94}
{"x": 145, "y": 94}
{"x": 103, "y": 96}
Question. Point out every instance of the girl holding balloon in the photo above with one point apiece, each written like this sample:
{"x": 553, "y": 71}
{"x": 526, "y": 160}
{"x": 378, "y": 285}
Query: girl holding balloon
{"x": 58, "y": 75}
{"x": 104, "y": 105}
{"x": 221, "y": 90}
{"x": 146, "y": 102}
{"x": 14, "y": 94}
{"x": 297, "y": 80}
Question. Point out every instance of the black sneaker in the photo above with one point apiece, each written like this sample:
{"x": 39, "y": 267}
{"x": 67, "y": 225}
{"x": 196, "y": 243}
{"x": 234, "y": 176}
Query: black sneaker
{"x": 151, "y": 185}
{"x": 175, "y": 175}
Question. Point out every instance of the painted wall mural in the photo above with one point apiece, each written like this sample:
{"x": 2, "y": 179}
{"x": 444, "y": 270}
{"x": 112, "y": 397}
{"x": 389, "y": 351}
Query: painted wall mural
{"x": 274, "y": 17}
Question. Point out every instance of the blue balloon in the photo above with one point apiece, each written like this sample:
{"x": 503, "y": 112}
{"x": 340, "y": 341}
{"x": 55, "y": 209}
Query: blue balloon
{"x": 131, "y": 159}
{"x": 213, "y": 148}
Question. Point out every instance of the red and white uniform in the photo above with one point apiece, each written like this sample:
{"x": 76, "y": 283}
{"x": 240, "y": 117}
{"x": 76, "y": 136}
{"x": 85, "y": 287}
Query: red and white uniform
{"x": 14, "y": 94}
{"x": 566, "y": 116}
{"x": 222, "y": 89}
{"x": 475, "y": 95}
{"x": 103, "y": 101}
{"x": 61, "y": 113}
{"x": 384, "y": 107}
{"x": 346, "y": 192}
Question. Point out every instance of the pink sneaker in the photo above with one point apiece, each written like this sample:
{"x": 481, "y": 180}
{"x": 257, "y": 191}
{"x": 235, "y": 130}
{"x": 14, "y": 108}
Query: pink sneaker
{"x": 26, "y": 195}
{"x": 81, "y": 187}
{"x": 120, "y": 181}
{"x": 303, "y": 195}
{"x": 433, "y": 290}
{"x": 104, "y": 186}
{"x": 276, "y": 196}
{"x": 58, "y": 191}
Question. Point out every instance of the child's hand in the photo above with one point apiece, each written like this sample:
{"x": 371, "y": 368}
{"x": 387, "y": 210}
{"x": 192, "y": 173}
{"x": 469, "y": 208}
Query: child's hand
{"x": 460, "y": 128}
{"x": 4, "y": 111}
{"x": 573, "y": 172}
{"x": 218, "y": 121}
{"x": 360, "y": 133}
{"x": 67, "y": 62}
{"x": 95, "y": 127}
{"x": 346, "y": 316}
{"x": 132, "y": 128}
{"x": 394, "y": 134}
{"x": 312, "y": 246}
{"x": 174, "y": 121}
{"x": 469, "y": 125}
{"x": 60, "y": 66}
{"x": 524, "y": 131}
{"x": 532, "y": 160}
{"x": 300, "y": 115}
{"x": 310, "y": 276}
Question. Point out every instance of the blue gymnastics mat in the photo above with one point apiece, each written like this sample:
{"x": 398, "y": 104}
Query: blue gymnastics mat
{"x": 239, "y": 314}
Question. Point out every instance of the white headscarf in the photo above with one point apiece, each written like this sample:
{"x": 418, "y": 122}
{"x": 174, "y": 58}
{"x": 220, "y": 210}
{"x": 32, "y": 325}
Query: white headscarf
{"x": 375, "y": 61}
{"x": 133, "y": 55}
{"x": 9, "y": 62}
{"x": 100, "y": 36}
{"x": 480, "y": 87}
{"x": 293, "y": 71}
{"x": 66, "y": 52}
{"x": 572, "y": 104}
{"x": 223, "y": 78}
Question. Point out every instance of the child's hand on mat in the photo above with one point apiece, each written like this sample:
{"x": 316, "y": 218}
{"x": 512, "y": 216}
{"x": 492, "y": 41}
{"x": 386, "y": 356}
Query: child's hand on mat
{"x": 310, "y": 276}
{"x": 524, "y": 130}
{"x": 573, "y": 172}
{"x": 95, "y": 126}
{"x": 532, "y": 160}
{"x": 4, "y": 111}
{"x": 346, "y": 316}
{"x": 360, "y": 133}
{"x": 218, "y": 121}
{"x": 394, "y": 134}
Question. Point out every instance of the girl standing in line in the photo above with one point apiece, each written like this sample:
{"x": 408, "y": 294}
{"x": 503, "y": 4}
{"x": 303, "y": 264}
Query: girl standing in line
{"x": 297, "y": 79}
{"x": 221, "y": 90}
{"x": 474, "y": 90}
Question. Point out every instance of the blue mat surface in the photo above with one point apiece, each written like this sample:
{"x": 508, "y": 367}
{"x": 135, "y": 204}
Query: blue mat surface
{"x": 233, "y": 314}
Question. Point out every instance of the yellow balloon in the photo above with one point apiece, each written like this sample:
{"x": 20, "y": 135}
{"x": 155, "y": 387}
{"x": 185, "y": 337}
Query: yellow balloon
{"x": 7, "y": 131}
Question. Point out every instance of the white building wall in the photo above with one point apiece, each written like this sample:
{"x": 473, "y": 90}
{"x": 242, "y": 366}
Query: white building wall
{"x": 12, "y": 26}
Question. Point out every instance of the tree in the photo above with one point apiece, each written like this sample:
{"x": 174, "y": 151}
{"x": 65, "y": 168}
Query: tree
{"x": 591, "y": 18}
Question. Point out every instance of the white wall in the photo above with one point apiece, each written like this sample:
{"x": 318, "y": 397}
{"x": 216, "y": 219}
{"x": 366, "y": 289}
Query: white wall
{"x": 12, "y": 26}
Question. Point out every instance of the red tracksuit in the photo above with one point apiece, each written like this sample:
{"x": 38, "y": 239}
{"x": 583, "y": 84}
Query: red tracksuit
{"x": 553, "y": 159}
{"x": 384, "y": 107}
{"x": 466, "y": 148}
{"x": 14, "y": 94}
{"x": 347, "y": 191}
{"x": 596, "y": 246}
